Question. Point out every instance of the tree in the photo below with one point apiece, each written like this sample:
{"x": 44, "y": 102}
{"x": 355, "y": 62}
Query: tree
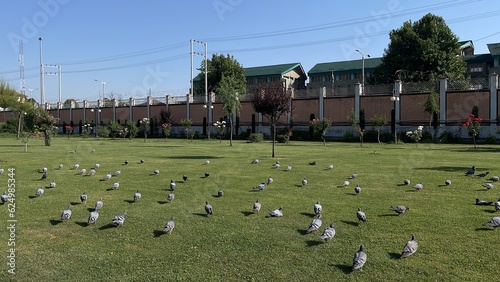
{"x": 425, "y": 50}
{"x": 143, "y": 127}
{"x": 39, "y": 120}
{"x": 379, "y": 122}
{"x": 228, "y": 91}
{"x": 272, "y": 101}
{"x": 186, "y": 123}
{"x": 431, "y": 106}
{"x": 220, "y": 67}
{"x": 321, "y": 126}
{"x": 68, "y": 102}
{"x": 9, "y": 98}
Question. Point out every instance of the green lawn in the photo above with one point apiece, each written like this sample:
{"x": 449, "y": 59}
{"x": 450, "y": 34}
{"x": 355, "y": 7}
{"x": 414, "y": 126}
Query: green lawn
{"x": 233, "y": 243}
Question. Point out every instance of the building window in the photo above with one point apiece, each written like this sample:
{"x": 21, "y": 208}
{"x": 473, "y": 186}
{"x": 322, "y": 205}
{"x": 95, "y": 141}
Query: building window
{"x": 345, "y": 76}
{"x": 275, "y": 79}
{"x": 263, "y": 79}
{"x": 317, "y": 78}
{"x": 476, "y": 68}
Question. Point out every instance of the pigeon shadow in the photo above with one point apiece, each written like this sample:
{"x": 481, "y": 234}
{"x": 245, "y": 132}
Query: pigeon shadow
{"x": 394, "y": 255}
{"x": 81, "y": 223}
{"x": 484, "y": 229}
{"x": 312, "y": 243}
{"x": 90, "y": 209}
{"x": 216, "y": 196}
{"x": 55, "y": 221}
{"x": 302, "y": 231}
{"x": 157, "y": 233}
{"x": 341, "y": 186}
{"x": 344, "y": 268}
{"x": 490, "y": 211}
{"x": 402, "y": 185}
{"x": 107, "y": 226}
{"x": 201, "y": 214}
{"x": 32, "y": 197}
{"x": 353, "y": 223}
{"x": 129, "y": 201}
{"x": 389, "y": 214}
{"x": 110, "y": 189}
{"x": 352, "y": 194}
{"x": 247, "y": 213}
{"x": 411, "y": 190}
{"x": 102, "y": 179}
{"x": 442, "y": 185}
{"x": 255, "y": 190}
{"x": 298, "y": 185}
{"x": 162, "y": 202}
{"x": 308, "y": 214}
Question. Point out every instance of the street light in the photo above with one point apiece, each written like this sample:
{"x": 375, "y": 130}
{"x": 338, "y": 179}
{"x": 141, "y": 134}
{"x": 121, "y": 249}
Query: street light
{"x": 95, "y": 118}
{"x": 209, "y": 108}
{"x": 363, "y": 70}
{"x": 103, "y": 88}
{"x": 395, "y": 99}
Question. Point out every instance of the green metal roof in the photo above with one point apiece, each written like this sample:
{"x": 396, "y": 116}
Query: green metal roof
{"x": 370, "y": 63}
{"x": 273, "y": 70}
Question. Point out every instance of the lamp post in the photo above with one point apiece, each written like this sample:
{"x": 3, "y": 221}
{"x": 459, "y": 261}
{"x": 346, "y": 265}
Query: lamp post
{"x": 209, "y": 108}
{"x": 395, "y": 99}
{"x": 103, "y": 88}
{"x": 362, "y": 71}
{"x": 96, "y": 122}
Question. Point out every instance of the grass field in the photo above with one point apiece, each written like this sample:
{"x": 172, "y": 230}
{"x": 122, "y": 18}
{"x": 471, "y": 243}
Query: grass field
{"x": 234, "y": 244}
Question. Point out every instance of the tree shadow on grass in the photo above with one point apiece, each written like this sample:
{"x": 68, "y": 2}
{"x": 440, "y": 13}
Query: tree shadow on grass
{"x": 192, "y": 157}
{"x": 157, "y": 233}
{"x": 394, "y": 255}
{"x": 55, "y": 221}
{"x": 459, "y": 169}
{"x": 107, "y": 226}
{"x": 353, "y": 223}
{"x": 81, "y": 223}
{"x": 312, "y": 243}
{"x": 344, "y": 268}
{"x": 247, "y": 213}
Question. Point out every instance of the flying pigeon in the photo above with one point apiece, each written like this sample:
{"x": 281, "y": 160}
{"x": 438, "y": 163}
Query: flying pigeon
{"x": 207, "y": 174}
{"x": 494, "y": 178}
{"x": 137, "y": 196}
{"x": 328, "y": 233}
{"x": 94, "y": 215}
{"x": 185, "y": 177}
{"x": 39, "y": 191}
{"x": 99, "y": 204}
{"x": 60, "y": 166}
{"x": 52, "y": 184}
{"x": 116, "y": 173}
{"x": 83, "y": 197}
{"x": 119, "y": 219}
{"x": 76, "y": 166}
{"x": 447, "y": 182}
{"x": 345, "y": 183}
{"x": 107, "y": 176}
{"x": 115, "y": 185}
{"x": 260, "y": 187}
{"x": 171, "y": 197}
{"x": 256, "y": 161}
{"x": 361, "y": 215}
{"x": 317, "y": 208}
{"x": 488, "y": 186}
{"x": 419, "y": 186}
{"x": 494, "y": 222}
{"x": 256, "y": 206}
{"x": 315, "y": 224}
{"x": 410, "y": 248}
{"x": 330, "y": 166}
{"x": 66, "y": 214}
{"x": 208, "y": 208}
{"x": 497, "y": 205}
{"x": 220, "y": 193}
{"x": 483, "y": 203}
{"x": 172, "y": 185}
{"x": 169, "y": 226}
{"x": 276, "y": 213}
{"x": 270, "y": 180}
{"x": 353, "y": 176}
{"x": 207, "y": 162}
{"x": 82, "y": 171}
{"x": 406, "y": 182}
{"x": 45, "y": 175}
{"x": 156, "y": 171}
{"x": 357, "y": 189}
{"x": 399, "y": 209}
{"x": 483, "y": 174}
{"x": 471, "y": 171}
{"x": 359, "y": 258}
{"x": 312, "y": 163}
{"x": 4, "y": 197}
{"x": 304, "y": 181}
{"x": 289, "y": 167}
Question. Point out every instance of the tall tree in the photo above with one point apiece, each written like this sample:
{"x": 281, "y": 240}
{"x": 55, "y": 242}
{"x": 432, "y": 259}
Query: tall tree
{"x": 272, "y": 101}
{"x": 39, "y": 120}
{"x": 229, "y": 96}
{"x": 431, "y": 106}
{"x": 218, "y": 67}
{"x": 68, "y": 102}
{"x": 425, "y": 50}
{"x": 9, "y": 98}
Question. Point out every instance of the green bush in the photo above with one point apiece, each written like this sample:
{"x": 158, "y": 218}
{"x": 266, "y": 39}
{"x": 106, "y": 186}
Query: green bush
{"x": 256, "y": 138}
{"x": 132, "y": 129}
{"x": 349, "y": 137}
{"x": 102, "y": 131}
{"x": 114, "y": 129}
{"x": 490, "y": 140}
{"x": 448, "y": 137}
{"x": 9, "y": 125}
{"x": 302, "y": 135}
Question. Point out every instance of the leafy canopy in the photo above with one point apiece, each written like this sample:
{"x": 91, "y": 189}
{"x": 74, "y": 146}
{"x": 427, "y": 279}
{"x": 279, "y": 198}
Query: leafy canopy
{"x": 220, "y": 67}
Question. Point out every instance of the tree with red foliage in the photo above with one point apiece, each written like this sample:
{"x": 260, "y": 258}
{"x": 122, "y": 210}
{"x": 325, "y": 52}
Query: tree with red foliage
{"x": 272, "y": 101}
{"x": 473, "y": 125}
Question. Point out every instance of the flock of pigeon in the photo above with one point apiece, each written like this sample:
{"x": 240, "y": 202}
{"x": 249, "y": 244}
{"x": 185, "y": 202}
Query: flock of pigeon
{"x": 327, "y": 233}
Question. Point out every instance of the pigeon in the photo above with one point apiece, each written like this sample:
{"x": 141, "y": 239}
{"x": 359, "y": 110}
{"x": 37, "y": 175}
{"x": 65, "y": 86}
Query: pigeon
{"x": 447, "y": 182}
{"x": 488, "y": 186}
{"x": 276, "y": 213}
{"x": 419, "y": 186}
{"x": 289, "y": 167}
{"x": 345, "y": 183}
{"x": 91, "y": 172}
{"x": 220, "y": 193}
{"x": 276, "y": 165}
{"x": 96, "y": 166}
{"x": 406, "y": 182}
{"x": 361, "y": 215}
{"x": 72, "y": 152}
{"x": 115, "y": 185}
{"x": 304, "y": 182}
{"x": 483, "y": 203}
{"x": 357, "y": 189}
{"x": 317, "y": 208}
{"x": 82, "y": 171}
{"x": 52, "y": 184}
{"x": 256, "y": 206}
{"x": 208, "y": 208}
{"x": 410, "y": 248}
{"x": 169, "y": 226}
{"x": 76, "y": 166}
{"x": 4, "y": 197}
{"x": 45, "y": 175}
{"x": 119, "y": 219}
{"x": 260, "y": 187}
{"x": 156, "y": 171}
{"x": 83, "y": 197}
{"x": 99, "y": 204}
{"x": 494, "y": 178}
{"x": 125, "y": 162}
{"x": 66, "y": 214}
{"x": 60, "y": 166}
{"x": 312, "y": 163}
{"x": 137, "y": 196}
{"x": 328, "y": 233}
{"x": 270, "y": 180}
{"x": 107, "y": 176}
{"x": 141, "y": 161}
{"x": 2, "y": 170}
{"x": 207, "y": 162}
{"x": 184, "y": 178}
{"x": 330, "y": 166}
{"x": 207, "y": 174}
{"x": 116, "y": 173}
{"x": 170, "y": 197}
{"x": 399, "y": 209}
{"x": 44, "y": 169}
{"x": 359, "y": 258}
{"x": 315, "y": 224}
{"x": 481, "y": 175}
{"x": 39, "y": 191}
{"x": 353, "y": 176}
{"x": 471, "y": 171}
{"x": 497, "y": 205}
{"x": 256, "y": 161}
{"x": 94, "y": 215}
{"x": 494, "y": 222}
{"x": 172, "y": 185}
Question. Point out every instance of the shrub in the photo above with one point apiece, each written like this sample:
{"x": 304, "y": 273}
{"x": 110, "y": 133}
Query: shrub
{"x": 102, "y": 131}
{"x": 132, "y": 129}
{"x": 114, "y": 129}
{"x": 301, "y": 135}
{"x": 10, "y": 125}
{"x": 256, "y": 138}
{"x": 490, "y": 140}
{"x": 348, "y": 137}
{"x": 448, "y": 137}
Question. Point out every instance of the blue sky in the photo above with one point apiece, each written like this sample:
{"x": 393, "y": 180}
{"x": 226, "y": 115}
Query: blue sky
{"x": 136, "y": 46}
